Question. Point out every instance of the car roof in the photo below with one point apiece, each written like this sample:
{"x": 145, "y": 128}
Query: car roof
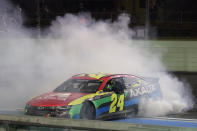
{"x": 104, "y": 77}
{"x": 90, "y": 76}
{"x": 98, "y": 76}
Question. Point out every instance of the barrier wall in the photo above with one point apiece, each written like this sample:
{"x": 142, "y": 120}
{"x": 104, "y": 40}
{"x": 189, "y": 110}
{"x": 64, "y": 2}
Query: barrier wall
{"x": 177, "y": 55}
{"x": 180, "y": 58}
{"x": 32, "y": 123}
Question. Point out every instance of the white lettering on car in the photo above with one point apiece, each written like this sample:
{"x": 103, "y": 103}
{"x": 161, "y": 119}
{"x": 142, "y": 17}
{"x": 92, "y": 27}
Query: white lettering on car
{"x": 55, "y": 96}
{"x": 142, "y": 90}
{"x": 138, "y": 91}
{"x": 132, "y": 93}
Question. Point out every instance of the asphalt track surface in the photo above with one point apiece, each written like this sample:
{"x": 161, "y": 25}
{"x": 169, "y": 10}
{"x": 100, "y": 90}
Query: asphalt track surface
{"x": 162, "y": 121}
{"x": 187, "y": 119}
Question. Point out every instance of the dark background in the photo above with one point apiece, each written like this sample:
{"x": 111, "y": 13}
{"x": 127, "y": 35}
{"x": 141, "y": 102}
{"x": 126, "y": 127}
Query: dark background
{"x": 170, "y": 18}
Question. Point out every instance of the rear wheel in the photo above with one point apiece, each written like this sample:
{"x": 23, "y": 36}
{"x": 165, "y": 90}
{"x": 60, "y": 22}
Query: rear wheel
{"x": 88, "y": 111}
{"x": 136, "y": 109}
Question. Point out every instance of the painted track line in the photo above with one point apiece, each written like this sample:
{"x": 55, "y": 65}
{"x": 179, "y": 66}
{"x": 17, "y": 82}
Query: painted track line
{"x": 162, "y": 121}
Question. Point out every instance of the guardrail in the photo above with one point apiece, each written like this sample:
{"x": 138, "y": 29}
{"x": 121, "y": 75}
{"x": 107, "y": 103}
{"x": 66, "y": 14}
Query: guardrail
{"x": 32, "y": 123}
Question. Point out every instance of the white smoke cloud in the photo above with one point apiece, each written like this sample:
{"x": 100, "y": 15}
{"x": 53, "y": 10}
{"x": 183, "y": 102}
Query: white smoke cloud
{"x": 177, "y": 98}
{"x": 78, "y": 44}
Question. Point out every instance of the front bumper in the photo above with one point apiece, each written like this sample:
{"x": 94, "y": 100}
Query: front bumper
{"x": 47, "y": 112}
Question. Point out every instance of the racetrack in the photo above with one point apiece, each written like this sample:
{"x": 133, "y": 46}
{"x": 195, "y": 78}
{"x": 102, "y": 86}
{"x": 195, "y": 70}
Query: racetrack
{"x": 187, "y": 119}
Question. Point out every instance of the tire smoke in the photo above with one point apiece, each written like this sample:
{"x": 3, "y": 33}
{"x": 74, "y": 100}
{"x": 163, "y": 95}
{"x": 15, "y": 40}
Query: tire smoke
{"x": 74, "y": 44}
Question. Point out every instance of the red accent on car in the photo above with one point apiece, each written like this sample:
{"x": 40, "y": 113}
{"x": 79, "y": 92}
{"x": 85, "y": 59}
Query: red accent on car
{"x": 55, "y": 99}
{"x": 84, "y": 78}
{"x": 105, "y": 79}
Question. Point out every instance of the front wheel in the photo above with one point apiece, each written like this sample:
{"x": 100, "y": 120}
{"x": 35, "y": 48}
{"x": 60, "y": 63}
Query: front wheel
{"x": 88, "y": 111}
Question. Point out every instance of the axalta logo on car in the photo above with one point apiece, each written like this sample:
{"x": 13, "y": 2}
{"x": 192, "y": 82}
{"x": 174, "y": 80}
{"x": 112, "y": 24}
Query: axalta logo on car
{"x": 141, "y": 91}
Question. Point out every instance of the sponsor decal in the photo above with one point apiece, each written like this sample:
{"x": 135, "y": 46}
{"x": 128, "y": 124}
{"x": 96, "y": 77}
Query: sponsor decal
{"x": 116, "y": 102}
{"x": 142, "y": 90}
{"x": 55, "y": 96}
{"x": 96, "y": 76}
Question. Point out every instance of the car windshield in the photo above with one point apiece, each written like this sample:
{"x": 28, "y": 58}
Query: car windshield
{"x": 79, "y": 85}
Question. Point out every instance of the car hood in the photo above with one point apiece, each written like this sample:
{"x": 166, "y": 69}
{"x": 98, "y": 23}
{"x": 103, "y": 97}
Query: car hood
{"x": 55, "y": 99}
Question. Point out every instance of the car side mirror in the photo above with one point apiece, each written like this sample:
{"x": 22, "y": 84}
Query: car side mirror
{"x": 118, "y": 87}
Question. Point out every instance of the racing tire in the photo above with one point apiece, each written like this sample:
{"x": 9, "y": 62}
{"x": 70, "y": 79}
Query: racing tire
{"x": 136, "y": 109}
{"x": 88, "y": 111}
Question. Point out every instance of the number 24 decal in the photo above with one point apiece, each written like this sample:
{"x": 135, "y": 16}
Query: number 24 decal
{"x": 120, "y": 103}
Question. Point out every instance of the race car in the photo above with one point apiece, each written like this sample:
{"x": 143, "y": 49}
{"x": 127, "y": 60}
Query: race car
{"x": 95, "y": 96}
